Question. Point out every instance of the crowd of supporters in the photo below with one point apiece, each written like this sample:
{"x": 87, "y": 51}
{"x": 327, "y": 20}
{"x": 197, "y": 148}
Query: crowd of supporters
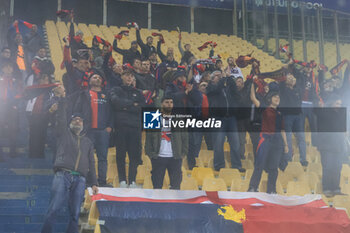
{"x": 99, "y": 105}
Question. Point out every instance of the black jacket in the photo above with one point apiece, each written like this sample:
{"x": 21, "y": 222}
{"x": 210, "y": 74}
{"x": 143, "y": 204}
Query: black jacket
{"x": 291, "y": 98}
{"x": 145, "y": 48}
{"x": 113, "y": 79}
{"x": 180, "y": 99}
{"x": 83, "y": 106}
{"x": 163, "y": 57}
{"x": 75, "y": 153}
{"x": 128, "y": 54}
{"x": 223, "y": 99}
{"x": 74, "y": 44}
{"x": 126, "y": 113}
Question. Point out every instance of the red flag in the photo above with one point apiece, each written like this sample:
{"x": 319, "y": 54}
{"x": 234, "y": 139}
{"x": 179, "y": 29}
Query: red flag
{"x": 161, "y": 38}
{"x": 121, "y": 34}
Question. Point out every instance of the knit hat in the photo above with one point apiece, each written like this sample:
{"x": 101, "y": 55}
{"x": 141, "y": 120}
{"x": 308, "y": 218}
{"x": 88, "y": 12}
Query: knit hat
{"x": 77, "y": 114}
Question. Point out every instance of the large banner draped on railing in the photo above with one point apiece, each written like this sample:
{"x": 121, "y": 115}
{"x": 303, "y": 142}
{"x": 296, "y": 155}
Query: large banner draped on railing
{"x": 172, "y": 211}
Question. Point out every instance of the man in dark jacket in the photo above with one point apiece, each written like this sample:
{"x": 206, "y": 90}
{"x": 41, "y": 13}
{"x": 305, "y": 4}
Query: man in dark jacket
{"x": 128, "y": 54}
{"x": 185, "y": 53}
{"x": 76, "y": 40}
{"x": 77, "y": 75}
{"x": 167, "y": 59}
{"x": 184, "y": 94}
{"x": 32, "y": 43}
{"x": 146, "y": 82}
{"x": 127, "y": 102}
{"x": 166, "y": 148}
{"x": 243, "y": 117}
{"x": 113, "y": 73}
{"x": 222, "y": 96}
{"x": 147, "y": 48}
{"x": 74, "y": 163}
{"x": 291, "y": 98}
{"x": 94, "y": 105}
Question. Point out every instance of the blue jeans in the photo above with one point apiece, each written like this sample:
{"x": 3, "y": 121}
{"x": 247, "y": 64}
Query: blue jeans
{"x": 294, "y": 123}
{"x": 65, "y": 187}
{"x": 100, "y": 139}
{"x": 307, "y": 112}
{"x": 229, "y": 129}
{"x": 194, "y": 147}
{"x": 269, "y": 154}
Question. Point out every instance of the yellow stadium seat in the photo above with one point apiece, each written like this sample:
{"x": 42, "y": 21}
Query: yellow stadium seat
{"x": 316, "y": 168}
{"x": 116, "y": 182}
{"x": 97, "y": 229}
{"x": 248, "y": 174}
{"x": 142, "y": 172}
{"x": 147, "y": 162}
{"x": 214, "y": 184}
{"x": 247, "y": 164}
{"x": 211, "y": 164}
{"x": 94, "y": 214}
{"x": 166, "y": 181}
{"x": 299, "y": 188}
{"x": 87, "y": 200}
{"x": 248, "y": 148}
{"x": 189, "y": 183}
{"x": 147, "y": 183}
{"x": 312, "y": 179}
{"x": 295, "y": 170}
{"x": 229, "y": 174}
{"x": 200, "y": 173}
{"x": 342, "y": 202}
{"x": 112, "y": 171}
{"x": 205, "y": 156}
{"x": 199, "y": 162}
{"x": 346, "y": 189}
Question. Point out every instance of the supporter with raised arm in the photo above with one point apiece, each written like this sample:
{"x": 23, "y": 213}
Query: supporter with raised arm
{"x": 128, "y": 54}
{"x": 166, "y": 148}
{"x": 185, "y": 53}
{"x": 74, "y": 164}
{"x": 258, "y": 98}
{"x": 146, "y": 49}
{"x": 291, "y": 99}
{"x": 16, "y": 45}
{"x": 38, "y": 96}
{"x": 41, "y": 63}
{"x": 222, "y": 95}
{"x": 77, "y": 74}
{"x": 233, "y": 69}
{"x": 272, "y": 145}
{"x": 168, "y": 59}
{"x": 127, "y": 102}
{"x": 111, "y": 69}
{"x": 76, "y": 40}
{"x": 33, "y": 41}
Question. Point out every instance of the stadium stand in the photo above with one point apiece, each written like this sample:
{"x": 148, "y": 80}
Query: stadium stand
{"x": 24, "y": 196}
